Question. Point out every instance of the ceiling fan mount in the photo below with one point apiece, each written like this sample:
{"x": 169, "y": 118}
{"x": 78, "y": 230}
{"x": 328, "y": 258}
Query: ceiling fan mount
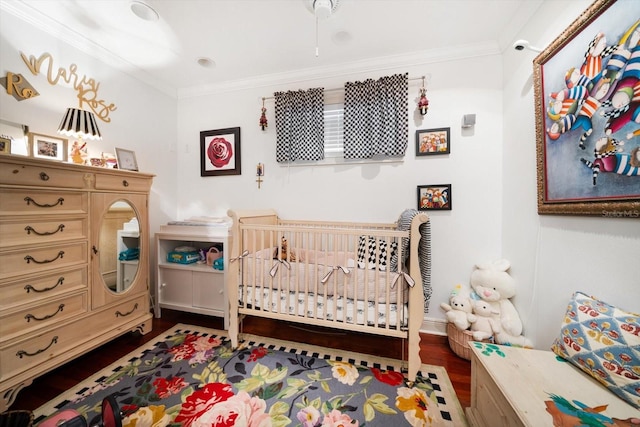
{"x": 322, "y": 9}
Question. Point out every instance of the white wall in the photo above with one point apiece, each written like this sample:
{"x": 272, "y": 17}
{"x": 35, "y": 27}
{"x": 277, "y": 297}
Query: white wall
{"x": 370, "y": 192}
{"x": 144, "y": 121}
{"x": 553, "y": 256}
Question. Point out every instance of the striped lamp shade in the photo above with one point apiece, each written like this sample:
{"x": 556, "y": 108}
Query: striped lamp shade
{"x": 80, "y": 124}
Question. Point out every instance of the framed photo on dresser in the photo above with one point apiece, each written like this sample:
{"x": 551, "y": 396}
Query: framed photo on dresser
{"x": 48, "y": 147}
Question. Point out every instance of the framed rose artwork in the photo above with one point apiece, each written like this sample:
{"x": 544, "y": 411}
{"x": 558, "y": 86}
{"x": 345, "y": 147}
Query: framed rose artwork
{"x": 220, "y": 152}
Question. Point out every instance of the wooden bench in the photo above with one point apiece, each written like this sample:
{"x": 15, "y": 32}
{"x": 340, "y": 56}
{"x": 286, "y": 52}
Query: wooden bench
{"x": 522, "y": 387}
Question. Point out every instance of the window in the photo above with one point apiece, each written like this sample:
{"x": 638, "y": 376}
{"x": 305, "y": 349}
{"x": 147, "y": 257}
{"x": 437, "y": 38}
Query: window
{"x": 334, "y": 130}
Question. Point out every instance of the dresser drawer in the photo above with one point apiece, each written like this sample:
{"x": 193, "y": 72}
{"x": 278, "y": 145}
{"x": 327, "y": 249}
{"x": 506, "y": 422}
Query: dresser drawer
{"x": 44, "y": 176}
{"x": 41, "y": 202}
{"x": 32, "y": 319}
{"x": 121, "y": 183}
{"x": 33, "y": 231}
{"x": 42, "y": 259}
{"x": 39, "y": 349}
{"x": 47, "y": 286}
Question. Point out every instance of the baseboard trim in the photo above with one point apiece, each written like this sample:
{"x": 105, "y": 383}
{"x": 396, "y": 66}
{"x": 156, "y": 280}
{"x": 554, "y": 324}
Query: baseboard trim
{"x": 434, "y": 326}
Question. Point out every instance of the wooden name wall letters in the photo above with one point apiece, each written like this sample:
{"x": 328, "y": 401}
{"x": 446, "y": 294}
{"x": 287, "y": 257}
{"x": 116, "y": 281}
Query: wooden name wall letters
{"x": 18, "y": 87}
{"x": 86, "y": 87}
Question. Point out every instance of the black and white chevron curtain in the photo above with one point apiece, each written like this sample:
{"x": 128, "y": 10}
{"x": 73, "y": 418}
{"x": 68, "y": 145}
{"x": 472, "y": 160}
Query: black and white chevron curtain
{"x": 376, "y": 117}
{"x": 299, "y": 125}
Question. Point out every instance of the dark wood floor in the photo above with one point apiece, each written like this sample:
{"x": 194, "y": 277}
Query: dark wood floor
{"x": 434, "y": 350}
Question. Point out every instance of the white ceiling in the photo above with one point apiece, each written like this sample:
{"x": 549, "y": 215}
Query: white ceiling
{"x": 251, "y": 39}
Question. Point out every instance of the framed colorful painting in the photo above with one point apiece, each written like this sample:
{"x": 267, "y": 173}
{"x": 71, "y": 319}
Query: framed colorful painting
{"x": 220, "y": 152}
{"x": 435, "y": 197}
{"x": 587, "y": 100}
{"x": 433, "y": 141}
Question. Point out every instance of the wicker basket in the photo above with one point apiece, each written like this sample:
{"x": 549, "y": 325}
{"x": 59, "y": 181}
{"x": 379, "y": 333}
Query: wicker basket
{"x": 459, "y": 341}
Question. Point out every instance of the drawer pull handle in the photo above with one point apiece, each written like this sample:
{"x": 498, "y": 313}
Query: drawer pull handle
{"x": 29, "y": 258}
{"x": 135, "y": 307}
{"x": 30, "y": 229}
{"x": 44, "y": 176}
{"x": 23, "y": 353}
{"x": 48, "y": 316}
{"x": 29, "y": 200}
{"x": 125, "y": 182}
{"x": 30, "y": 288}
{"x": 94, "y": 249}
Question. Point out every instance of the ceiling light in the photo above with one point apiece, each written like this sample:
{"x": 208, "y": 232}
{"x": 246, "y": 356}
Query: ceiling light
{"x": 144, "y": 11}
{"x": 342, "y": 37}
{"x": 206, "y": 62}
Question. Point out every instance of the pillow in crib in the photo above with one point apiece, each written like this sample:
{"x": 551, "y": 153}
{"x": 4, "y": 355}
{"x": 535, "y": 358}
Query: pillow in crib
{"x": 367, "y": 249}
{"x": 603, "y": 341}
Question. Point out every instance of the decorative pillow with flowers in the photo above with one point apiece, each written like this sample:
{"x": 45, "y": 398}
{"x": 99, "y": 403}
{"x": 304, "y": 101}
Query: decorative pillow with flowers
{"x": 603, "y": 341}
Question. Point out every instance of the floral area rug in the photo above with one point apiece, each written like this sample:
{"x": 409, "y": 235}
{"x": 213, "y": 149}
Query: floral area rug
{"x": 190, "y": 376}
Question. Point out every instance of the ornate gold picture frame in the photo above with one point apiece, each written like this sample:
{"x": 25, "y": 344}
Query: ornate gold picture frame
{"x": 587, "y": 104}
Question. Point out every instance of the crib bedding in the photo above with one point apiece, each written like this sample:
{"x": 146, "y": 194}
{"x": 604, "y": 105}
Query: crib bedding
{"x": 315, "y": 306}
{"x": 325, "y": 273}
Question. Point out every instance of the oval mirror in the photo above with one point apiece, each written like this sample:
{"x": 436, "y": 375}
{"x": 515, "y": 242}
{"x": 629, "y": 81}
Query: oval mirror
{"x": 119, "y": 246}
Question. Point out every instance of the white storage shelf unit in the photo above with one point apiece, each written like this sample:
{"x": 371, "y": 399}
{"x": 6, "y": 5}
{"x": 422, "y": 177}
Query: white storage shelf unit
{"x": 126, "y": 269}
{"x": 195, "y": 287}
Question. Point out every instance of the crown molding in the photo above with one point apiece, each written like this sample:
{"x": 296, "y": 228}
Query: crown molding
{"x": 374, "y": 65}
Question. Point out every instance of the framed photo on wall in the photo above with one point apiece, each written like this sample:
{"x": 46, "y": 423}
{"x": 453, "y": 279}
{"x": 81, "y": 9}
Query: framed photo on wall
{"x": 586, "y": 106}
{"x": 436, "y": 197}
{"x": 48, "y": 147}
{"x": 220, "y": 152}
{"x": 433, "y": 141}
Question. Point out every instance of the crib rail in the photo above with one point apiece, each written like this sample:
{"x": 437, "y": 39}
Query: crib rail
{"x": 324, "y": 275}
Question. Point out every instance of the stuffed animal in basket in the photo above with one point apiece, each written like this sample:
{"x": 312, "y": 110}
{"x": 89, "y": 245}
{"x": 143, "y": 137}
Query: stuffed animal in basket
{"x": 492, "y": 283}
{"x": 282, "y": 252}
{"x": 483, "y": 325}
{"x": 458, "y": 311}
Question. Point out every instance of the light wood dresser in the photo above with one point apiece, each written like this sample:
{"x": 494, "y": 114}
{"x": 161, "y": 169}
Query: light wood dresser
{"x": 521, "y": 387}
{"x": 58, "y": 293}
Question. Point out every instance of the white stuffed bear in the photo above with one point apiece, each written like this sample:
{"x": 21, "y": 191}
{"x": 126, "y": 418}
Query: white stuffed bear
{"x": 483, "y": 325}
{"x": 459, "y": 312}
{"x": 492, "y": 283}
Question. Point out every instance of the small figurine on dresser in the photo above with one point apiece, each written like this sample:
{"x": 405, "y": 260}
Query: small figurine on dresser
{"x": 79, "y": 152}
